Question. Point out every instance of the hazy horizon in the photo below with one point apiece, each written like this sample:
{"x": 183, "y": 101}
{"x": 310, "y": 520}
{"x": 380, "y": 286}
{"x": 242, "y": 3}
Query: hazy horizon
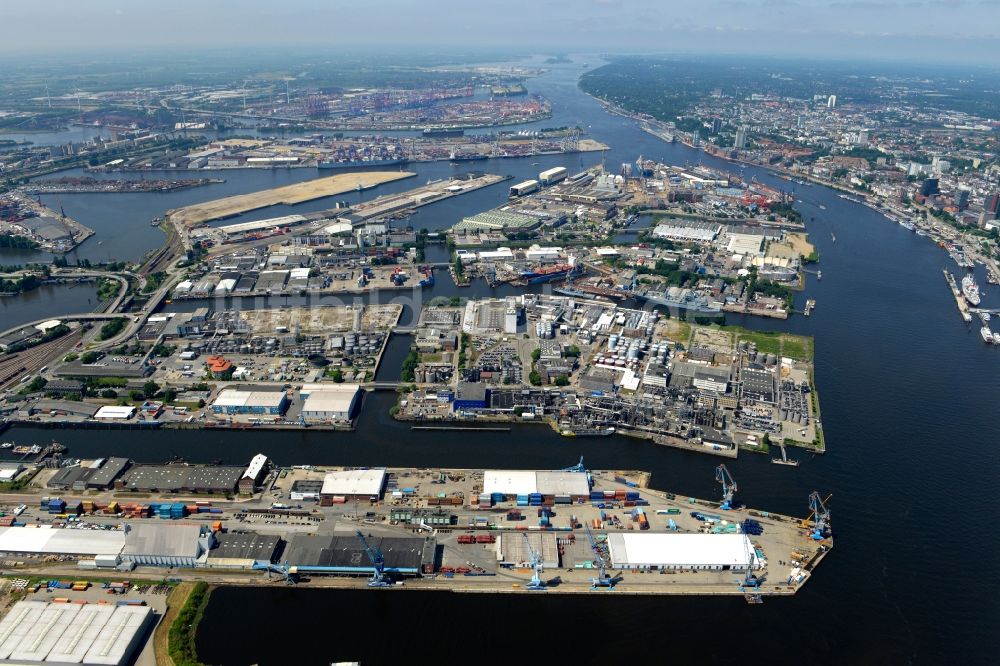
{"x": 951, "y": 31}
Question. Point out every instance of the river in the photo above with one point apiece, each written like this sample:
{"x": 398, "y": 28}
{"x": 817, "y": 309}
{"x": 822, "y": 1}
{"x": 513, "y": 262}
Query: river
{"x": 908, "y": 396}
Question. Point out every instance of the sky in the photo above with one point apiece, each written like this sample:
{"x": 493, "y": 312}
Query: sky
{"x": 921, "y": 30}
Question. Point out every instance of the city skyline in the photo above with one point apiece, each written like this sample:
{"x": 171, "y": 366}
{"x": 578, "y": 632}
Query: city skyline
{"x": 920, "y": 31}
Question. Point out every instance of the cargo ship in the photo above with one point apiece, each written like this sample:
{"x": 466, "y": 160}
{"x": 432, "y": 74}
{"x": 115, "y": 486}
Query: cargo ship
{"x": 361, "y": 164}
{"x": 549, "y": 273}
{"x": 970, "y": 289}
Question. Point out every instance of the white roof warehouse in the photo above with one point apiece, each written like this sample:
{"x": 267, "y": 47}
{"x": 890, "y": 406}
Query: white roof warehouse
{"x": 527, "y": 482}
{"x": 354, "y": 483}
{"x": 682, "y": 551}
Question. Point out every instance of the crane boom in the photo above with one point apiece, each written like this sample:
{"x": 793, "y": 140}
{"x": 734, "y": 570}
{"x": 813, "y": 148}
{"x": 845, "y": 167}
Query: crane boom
{"x": 725, "y": 479}
{"x": 603, "y": 578}
{"x": 536, "y": 564}
{"x": 377, "y": 560}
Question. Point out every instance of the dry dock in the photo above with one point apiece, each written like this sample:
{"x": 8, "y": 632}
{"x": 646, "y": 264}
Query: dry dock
{"x": 297, "y": 193}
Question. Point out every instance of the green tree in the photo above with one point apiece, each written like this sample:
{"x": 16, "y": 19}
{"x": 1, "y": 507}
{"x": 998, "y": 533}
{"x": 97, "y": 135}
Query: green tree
{"x": 535, "y": 378}
{"x": 536, "y": 354}
{"x": 562, "y": 380}
{"x": 109, "y": 393}
{"x": 150, "y": 388}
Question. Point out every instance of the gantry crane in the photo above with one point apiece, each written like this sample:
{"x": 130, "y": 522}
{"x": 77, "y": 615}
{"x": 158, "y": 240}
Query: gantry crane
{"x": 575, "y": 468}
{"x": 819, "y": 516}
{"x": 536, "y": 563}
{"x": 378, "y": 563}
{"x": 603, "y": 578}
{"x": 723, "y": 476}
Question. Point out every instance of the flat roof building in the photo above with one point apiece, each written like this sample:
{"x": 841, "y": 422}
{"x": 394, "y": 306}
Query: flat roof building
{"x": 48, "y": 540}
{"x": 549, "y": 484}
{"x": 233, "y": 401}
{"x": 181, "y": 478}
{"x": 166, "y": 545}
{"x": 335, "y": 402}
{"x": 62, "y": 634}
{"x": 326, "y": 553}
{"x": 720, "y": 552}
{"x": 353, "y": 483}
{"x": 241, "y": 549}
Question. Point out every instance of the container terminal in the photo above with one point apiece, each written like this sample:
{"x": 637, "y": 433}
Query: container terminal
{"x": 558, "y": 531}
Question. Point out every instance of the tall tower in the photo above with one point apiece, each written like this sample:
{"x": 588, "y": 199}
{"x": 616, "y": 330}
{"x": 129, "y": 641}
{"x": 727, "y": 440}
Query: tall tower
{"x": 741, "y": 138}
{"x": 831, "y": 102}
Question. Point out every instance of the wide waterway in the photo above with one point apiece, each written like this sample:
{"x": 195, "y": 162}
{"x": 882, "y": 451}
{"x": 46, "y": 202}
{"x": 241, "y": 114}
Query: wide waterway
{"x": 908, "y": 394}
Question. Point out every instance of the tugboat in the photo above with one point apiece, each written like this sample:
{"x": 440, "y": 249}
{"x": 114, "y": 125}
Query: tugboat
{"x": 785, "y": 460}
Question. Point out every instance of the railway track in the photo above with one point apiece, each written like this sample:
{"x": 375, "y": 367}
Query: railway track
{"x": 15, "y": 366}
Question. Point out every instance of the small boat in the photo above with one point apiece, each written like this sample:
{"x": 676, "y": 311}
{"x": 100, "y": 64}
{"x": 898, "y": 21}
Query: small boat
{"x": 819, "y": 275}
{"x": 6, "y": 445}
{"x": 984, "y": 317}
{"x": 822, "y": 207}
{"x": 984, "y": 331}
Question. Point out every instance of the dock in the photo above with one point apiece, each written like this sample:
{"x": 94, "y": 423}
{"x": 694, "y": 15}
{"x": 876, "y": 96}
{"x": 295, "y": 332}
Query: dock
{"x": 963, "y": 307}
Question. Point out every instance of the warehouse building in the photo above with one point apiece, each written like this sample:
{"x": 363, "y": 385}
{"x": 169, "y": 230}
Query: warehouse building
{"x": 353, "y": 484}
{"x": 240, "y": 550}
{"x": 716, "y": 552}
{"x": 561, "y": 487}
{"x": 306, "y": 490}
{"x": 512, "y": 549}
{"x": 167, "y": 545}
{"x": 335, "y": 402}
{"x": 115, "y": 413}
{"x": 233, "y": 401}
{"x": 91, "y": 634}
{"x": 330, "y": 554}
{"x": 254, "y": 474}
{"x": 46, "y": 540}
{"x": 180, "y": 479}
{"x": 97, "y": 475}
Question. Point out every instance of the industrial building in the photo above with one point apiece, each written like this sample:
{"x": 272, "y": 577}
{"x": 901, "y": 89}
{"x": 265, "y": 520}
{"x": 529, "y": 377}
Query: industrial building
{"x": 58, "y": 633}
{"x": 254, "y": 474}
{"x": 240, "y": 550}
{"x": 719, "y": 552}
{"x": 164, "y": 545}
{"x": 551, "y": 487}
{"x": 353, "y": 484}
{"x": 115, "y": 413}
{"x": 180, "y": 479}
{"x": 46, "y": 540}
{"x": 512, "y": 549}
{"x": 233, "y": 401}
{"x": 330, "y": 554}
{"x": 99, "y": 474}
{"x": 335, "y": 402}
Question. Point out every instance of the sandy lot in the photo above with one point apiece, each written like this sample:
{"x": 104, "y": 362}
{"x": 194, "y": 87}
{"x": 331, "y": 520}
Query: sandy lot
{"x": 289, "y": 195}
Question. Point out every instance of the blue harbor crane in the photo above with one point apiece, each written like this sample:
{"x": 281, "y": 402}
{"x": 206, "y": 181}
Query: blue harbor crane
{"x": 723, "y": 476}
{"x": 604, "y": 579}
{"x": 378, "y": 578}
{"x": 820, "y": 517}
{"x": 575, "y": 468}
{"x": 750, "y": 584}
{"x": 536, "y": 583}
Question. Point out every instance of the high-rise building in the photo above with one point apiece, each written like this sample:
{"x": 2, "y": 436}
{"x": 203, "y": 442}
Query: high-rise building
{"x": 929, "y": 187}
{"x": 716, "y": 125}
{"x": 993, "y": 205}
{"x": 961, "y": 198}
{"x": 800, "y": 122}
{"x": 862, "y": 139}
{"x": 831, "y": 102}
{"x": 741, "y": 138}
{"x": 695, "y": 138}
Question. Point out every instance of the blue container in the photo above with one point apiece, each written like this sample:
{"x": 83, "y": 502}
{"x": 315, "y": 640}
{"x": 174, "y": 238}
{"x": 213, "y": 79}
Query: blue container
{"x": 215, "y": 511}
{"x": 632, "y": 495}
